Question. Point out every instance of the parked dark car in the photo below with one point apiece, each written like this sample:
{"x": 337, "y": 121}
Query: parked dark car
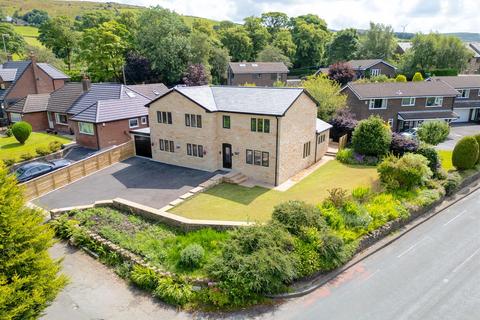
{"x": 36, "y": 169}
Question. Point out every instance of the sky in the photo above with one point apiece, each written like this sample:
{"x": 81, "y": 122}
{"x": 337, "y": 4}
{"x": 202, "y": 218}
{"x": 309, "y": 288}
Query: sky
{"x": 413, "y": 15}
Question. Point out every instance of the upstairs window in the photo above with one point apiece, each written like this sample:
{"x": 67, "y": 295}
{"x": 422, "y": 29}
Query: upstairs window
{"x": 226, "y": 122}
{"x": 133, "y": 123}
{"x": 464, "y": 94}
{"x": 193, "y": 120}
{"x": 378, "y": 104}
{"x": 164, "y": 117}
{"x": 408, "y": 102}
{"x": 260, "y": 125}
{"x": 434, "y": 101}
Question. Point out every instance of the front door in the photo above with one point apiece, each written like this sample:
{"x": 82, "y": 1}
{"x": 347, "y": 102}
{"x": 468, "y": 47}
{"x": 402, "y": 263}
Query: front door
{"x": 227, "y": 155}
{"x": 50, "y": 120}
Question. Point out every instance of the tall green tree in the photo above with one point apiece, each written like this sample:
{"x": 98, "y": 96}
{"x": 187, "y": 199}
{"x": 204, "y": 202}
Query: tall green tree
{"x": 275, "y": 21}
{"x": 14, "y": 43}
{"x": 218, "y": 62}
{"x": 343, "y": 47}
{"x": 284, "y": 41}
{"x": 378, "y": 42}
{"x": 29, "y": 278}
{"x": 273, "y": 54}
{"x": 326, "y": 92}
{"x": 36, "y": 17}
{"x": 258, "y": 34}
{"x": 103, "y": 50}
{"x": 58, "y": 35}
{"x": 164, "y": 39}
{"x": 92, "y": 19}
{"x": 238, "y": 43}
{"x": 310, "y": 35}
{"x": 201, "y": 46}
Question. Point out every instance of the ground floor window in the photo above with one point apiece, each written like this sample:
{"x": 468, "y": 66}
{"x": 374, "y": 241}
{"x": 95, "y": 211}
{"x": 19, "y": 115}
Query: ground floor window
{"x": 86, "y": 128}
{"x": 321, "y": 138}
{"x": 15, "y": 117}
{"x": 306, "y": 149}
{"x": 61, "y": 118}
{"x": 195, "y": 150}
{"x": 166, "y": 145}
{"x": 257, "y": 158}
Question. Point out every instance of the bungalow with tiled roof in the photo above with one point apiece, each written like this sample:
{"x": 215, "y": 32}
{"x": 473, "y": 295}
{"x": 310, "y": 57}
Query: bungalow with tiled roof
{"x": 262, "y": 74}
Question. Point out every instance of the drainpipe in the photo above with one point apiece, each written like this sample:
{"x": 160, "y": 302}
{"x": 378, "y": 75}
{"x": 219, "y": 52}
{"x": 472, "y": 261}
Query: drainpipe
{"x": 276, "y": 156}
{"x": 316, "y": 144}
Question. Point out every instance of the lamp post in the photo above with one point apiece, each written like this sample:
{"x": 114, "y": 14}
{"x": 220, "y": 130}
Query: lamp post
{"x": 3, "y": 38}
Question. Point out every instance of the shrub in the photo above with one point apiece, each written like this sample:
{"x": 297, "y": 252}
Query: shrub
{"x": 343, "y": 122}
{"x": 8, "y": 132}
{"x": 401, "y": 78}
{"x": 433, "y": 132}
{"x": 255, "y": 260}
{"x": 383, "y": 208}
{"x": 355, "y": 216}
{"x": 192, "y": 256}
{"x": 54, "y": 146}
{"x": 173, "y": 291}
{"x": 144, "y": 278}
{"x": 294, "y": 215}
{"x": 361, "y": 194}
{"x": 417, "y": 77}
{"x": 342, "y": 72}
{"x": 406, "y": 172}
{"x": 465, "y": 153}
{"x": 337, "y": 196}
{"x": 372, "y": 137}
{"x": 42, "y": 151}
{"x": 21, "y": 131}
{"x": 332, "y": 216}
{"x": 26, "y": 156}
{"x": 401, "y": 144}
{"x": 477, "y": 137}
{"x": 345, "y": 156}
{"x": 432, "y": 156}
{"x": 452, "y": 182}
{"x": 8, "y": 162}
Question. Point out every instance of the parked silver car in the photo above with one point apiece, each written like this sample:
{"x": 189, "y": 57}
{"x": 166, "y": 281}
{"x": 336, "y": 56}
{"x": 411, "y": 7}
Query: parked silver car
{"x": 410, "y": 133}
{"x": 38, "y": 168}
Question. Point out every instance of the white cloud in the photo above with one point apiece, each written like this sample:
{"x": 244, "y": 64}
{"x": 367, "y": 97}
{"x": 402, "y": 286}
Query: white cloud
{"x": 417, "y": 15}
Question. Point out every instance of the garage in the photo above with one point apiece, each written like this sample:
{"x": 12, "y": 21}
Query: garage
{"x": 463, "y": 115}
{"x": 143, "y": 147}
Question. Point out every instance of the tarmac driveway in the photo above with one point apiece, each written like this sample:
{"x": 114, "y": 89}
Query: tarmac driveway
{"x": 136, "y": 179}
{"x": 458, "y": 131}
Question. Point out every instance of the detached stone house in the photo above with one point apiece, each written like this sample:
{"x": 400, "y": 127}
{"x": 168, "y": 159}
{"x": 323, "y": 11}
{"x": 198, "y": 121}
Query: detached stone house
{"x": 367, "y": 68}
{"x": 21, "y": 78}
{"x": 103, "y": 115}
{"x": 473, "y": 66}
{"x": 467, "y": 103}
{"x": 403, "y": 105}
{"x": 262, "y": 74}
{"x": 267, "y": 134}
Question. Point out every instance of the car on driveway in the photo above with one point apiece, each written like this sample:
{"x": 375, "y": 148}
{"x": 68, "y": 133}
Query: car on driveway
{"x": 410, "y": 133}
{"x": 38, "y": 168}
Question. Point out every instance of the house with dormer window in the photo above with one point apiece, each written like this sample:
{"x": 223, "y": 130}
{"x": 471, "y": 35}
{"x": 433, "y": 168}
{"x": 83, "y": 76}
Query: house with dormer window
{"x": 403, "y": 105}
{"x": 262, "y": 74}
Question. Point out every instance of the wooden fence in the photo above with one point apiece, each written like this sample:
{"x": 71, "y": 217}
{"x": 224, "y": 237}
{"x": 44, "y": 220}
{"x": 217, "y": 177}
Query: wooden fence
{"x": 59, "y": 178}
{"x": 342, "y": 142}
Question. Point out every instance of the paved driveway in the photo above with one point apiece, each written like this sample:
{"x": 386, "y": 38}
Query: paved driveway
{"x": 457, "y": 132}
{"x": 139, "y": 180}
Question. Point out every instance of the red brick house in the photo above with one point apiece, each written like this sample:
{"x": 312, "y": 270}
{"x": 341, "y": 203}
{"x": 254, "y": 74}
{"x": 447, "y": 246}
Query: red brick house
{"x": 31, "y": 109}
{"x": 368, "y": 68}
{"x": 21, "y": 78}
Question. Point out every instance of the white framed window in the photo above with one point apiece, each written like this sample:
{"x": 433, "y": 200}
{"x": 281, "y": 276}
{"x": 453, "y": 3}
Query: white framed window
{"x": 375, "y": 72}
{"x": 143, "y": 120}
{"x": 434, "y": 101}
{"x": 408, "y": 102}
{"x": 61, "y": 118}
{"x": 390, "y": 123}
{"x": 15, "y": 117}
{"x": 133, "y": 123}
{"x": 464, "y": 93}
{"x": 86, "y": 128}
{"x": 378, "y": 104}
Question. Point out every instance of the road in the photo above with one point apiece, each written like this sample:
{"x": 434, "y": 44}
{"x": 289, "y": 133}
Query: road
{"x": 432, "y": 272}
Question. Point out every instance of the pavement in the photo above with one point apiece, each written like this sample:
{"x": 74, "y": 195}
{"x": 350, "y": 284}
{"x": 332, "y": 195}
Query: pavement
{"x": 136, "y": 179}
{"x": 458, "y": 131}
{"x": 432, "y": 272}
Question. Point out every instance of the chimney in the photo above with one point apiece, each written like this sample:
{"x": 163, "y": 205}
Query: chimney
{"x": 9, "y": 57}
{"x": 86, "y": 83}
{"x": 32, "y": 57}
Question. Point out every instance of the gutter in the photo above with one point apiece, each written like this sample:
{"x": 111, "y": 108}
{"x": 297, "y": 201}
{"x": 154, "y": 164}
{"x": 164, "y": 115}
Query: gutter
{"x": 276, "y": 156}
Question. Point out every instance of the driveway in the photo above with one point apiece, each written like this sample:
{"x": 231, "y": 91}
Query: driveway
{"x": 136, "y": 179}
{"x": 458, "y": 131}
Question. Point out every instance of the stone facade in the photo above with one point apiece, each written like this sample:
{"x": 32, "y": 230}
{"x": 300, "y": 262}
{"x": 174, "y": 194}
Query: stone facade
{"x": 295, "y": 128}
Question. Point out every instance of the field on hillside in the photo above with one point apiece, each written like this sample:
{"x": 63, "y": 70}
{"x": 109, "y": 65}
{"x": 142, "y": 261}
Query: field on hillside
{"x": 30, "y": 34}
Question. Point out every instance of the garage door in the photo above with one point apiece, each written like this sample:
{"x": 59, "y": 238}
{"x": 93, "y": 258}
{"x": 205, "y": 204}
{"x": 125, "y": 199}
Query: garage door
{"x": 143, "y": 147}
{"x": 463, "y": 115}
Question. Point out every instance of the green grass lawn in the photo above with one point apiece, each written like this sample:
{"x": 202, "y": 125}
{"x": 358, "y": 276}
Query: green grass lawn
{"x": 11, "y": 149}
{"x": 446, "y": 157}
{"x": 233, "y": 202}
{"x": 30, "y": 34}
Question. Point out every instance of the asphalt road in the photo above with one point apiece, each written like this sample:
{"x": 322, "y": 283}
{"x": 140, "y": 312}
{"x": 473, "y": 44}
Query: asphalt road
{"x": 432, "y": 272}
{"x": 458, "y": 131}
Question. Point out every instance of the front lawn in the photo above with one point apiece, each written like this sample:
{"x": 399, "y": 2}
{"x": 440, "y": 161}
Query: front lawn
{"x": 10, "y": 148}
{"x": 446, "y": 158}
{"x": 234, "y": 202}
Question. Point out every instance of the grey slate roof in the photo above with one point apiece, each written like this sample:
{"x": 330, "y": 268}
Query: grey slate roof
{"x": 19, "y": 65}
{"x": 366, "y": 63}
{"x": 427, "y": 115}
{"x": 322, "y": 125}
{"x": 404, "y": 46}
{"x": 251, "y": 100}
{"x": 98, "y": 91}
{"x": 258, "y": 67}
{"x": 114, "y": 109}
{"x": 53, "y": 72}
{"x": 475, "y": 48}
{"x": 151, "y": 90}
{"x": 401, "y": 89}
{"x": 8, "y": 75}
{"x": 461, "y": 82}
{"x": 62, "y": 99}
{"x": 31, "y": 103}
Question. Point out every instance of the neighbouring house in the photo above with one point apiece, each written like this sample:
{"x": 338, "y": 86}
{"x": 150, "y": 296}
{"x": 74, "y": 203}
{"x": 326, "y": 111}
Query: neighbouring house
{"x": 103, "y": 115}
{"x": 473, "y": 66}
{"x": 403, "y": 47}
{"x": 262, "y": 74}
{"x": 403, "y": 105}
{"x": 367, "y": 68}
{"x": 267, "y": 134}
{"x": 31, "y": 109}
{"x": 21, "y": 78}
{"x": 59, "y": 103}
{"x": 467, "y": 103}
